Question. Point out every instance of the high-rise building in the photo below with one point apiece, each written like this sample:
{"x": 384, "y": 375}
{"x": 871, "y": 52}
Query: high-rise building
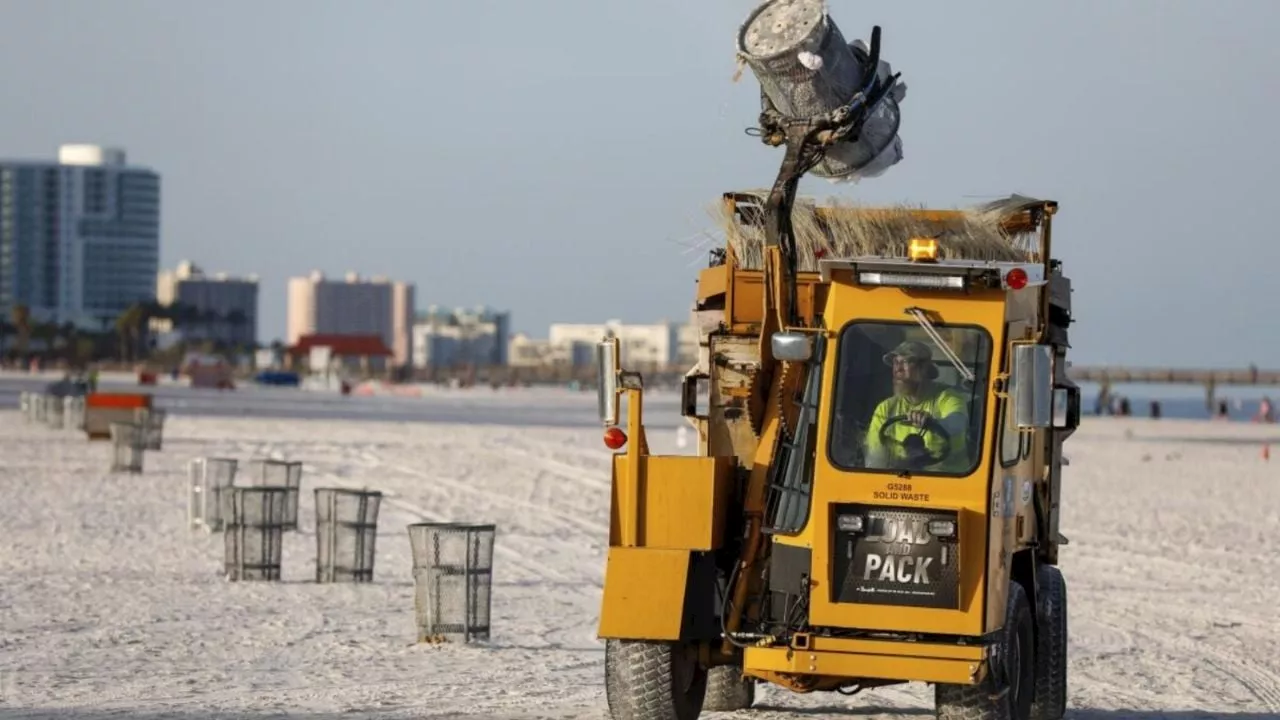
{"x": 225, "y": 308}
{"x": 80, "y": 237}
{"x": 353, "y": 306}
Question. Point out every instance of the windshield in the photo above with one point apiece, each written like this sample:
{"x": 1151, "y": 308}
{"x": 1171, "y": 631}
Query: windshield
{"x": 903, "y": 401}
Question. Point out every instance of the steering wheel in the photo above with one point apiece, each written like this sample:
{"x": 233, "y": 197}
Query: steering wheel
{"x": 913, "y": 446}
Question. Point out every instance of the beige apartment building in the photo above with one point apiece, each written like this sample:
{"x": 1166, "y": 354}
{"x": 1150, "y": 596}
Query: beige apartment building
{"x": 353, "y": 306}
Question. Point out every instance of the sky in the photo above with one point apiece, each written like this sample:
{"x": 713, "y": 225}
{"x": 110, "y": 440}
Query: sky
{"x": 557, "y": 158}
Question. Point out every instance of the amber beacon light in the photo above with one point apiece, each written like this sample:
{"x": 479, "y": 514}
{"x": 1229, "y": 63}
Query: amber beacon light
{"x": 922, "y": 250}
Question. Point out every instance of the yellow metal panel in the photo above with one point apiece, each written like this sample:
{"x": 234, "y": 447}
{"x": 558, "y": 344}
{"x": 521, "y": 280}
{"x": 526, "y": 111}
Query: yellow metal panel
{"x": 967, "y": 496}
{"x": 744, "y": 300}
{"x": 712, "y": 281}
{"x": 683, "y": 500}
{"x": 757, "y": 661}
{"x": 644, "y": 593}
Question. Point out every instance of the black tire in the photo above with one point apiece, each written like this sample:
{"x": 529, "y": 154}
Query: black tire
{"x": 1050, "y": 701}
{"x": 728, "y": 690}
{"x": 652, "y": 681}
{"x": 1006, "y": 691}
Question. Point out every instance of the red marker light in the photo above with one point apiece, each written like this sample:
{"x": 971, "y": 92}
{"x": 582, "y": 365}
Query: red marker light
{"x": 1016, "y": 279}
{"x": 614, "y": 438}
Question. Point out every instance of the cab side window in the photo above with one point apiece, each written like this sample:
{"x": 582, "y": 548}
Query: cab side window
{"x": 1010, "y": 438}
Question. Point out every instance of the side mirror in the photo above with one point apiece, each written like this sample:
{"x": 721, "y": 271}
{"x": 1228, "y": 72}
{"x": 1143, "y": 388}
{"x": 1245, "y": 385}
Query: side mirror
{"x": 1066, "y": 408}
{"x": 1032, "y": 386}
{"x": 792, "y": 346}
{"x": 607, "y": 373}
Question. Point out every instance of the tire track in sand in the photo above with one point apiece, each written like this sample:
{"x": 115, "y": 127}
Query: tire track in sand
{"x": 420, "y": 513}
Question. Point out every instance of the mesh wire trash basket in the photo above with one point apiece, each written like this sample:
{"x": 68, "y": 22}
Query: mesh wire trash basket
{"x": 128, "y": 444}
{"x": 452, "y": 580}
{"x": 346, "y": 532}
{"x": 40, "y": 406}
{"x": 287, "y": 474}
{"x": 807, "y": 69}
{"x": 254, "y": 532}
{"x": 24, "y": 405}
{"x": 210, "y": 477}
{"x": 53, "y": 413}
{"x": 152, "y": 420}
{"x": 73, "y": 412}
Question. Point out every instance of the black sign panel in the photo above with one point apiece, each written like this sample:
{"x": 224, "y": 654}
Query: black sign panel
{"x": 895, "y": 560}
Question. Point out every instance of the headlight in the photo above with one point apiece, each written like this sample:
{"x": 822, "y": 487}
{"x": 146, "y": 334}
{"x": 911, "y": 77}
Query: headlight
{"x": 942, "y": 528}
{"x": 849, "y": 523}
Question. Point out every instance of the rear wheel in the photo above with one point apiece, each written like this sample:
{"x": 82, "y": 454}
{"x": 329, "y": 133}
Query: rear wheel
{"x": 728, "y": 690}
{"x": 653, "y": 681}
{"x": 1051, "y": 645}
{"x": 1006, "y": 691}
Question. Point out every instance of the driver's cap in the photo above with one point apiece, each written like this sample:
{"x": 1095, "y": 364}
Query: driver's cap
{"x": 912, "y": 349}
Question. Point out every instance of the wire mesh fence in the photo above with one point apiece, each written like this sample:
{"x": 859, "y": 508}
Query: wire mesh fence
{"x": 346, "y": 533}
{"x": 128, "y": 445}
{"x": 452, "y": 579}
{"x": 254, "y": 532}
{"x": 207, "y": 494}
{"x": 287, "y": 474}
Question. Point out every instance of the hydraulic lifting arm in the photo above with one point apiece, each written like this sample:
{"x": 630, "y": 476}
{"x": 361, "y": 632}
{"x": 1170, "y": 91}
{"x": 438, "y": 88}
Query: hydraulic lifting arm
{"x": 806, "y": 142}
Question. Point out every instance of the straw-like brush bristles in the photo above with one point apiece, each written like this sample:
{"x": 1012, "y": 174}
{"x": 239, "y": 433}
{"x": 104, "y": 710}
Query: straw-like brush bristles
{"x": 976, "y": 235}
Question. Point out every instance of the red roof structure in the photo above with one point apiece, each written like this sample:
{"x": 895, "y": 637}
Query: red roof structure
{"x": 343, "y": 345}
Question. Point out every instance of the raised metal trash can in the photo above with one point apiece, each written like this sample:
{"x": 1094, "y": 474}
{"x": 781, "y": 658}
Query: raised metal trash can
{"x": 452, "y": 579}
{"x": 806, "y": 69}
{"x": 346, "y": 533}
{"x": 209, "y": 479}
{"x": 287, "y": 474}
{"x": 128, "y": 444}
{"x": 253, "y": 532}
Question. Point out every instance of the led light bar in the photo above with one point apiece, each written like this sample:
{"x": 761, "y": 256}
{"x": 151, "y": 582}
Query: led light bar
{"x": 937, "y": 282}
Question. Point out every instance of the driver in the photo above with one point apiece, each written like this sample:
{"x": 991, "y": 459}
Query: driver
{"x": 923, "y": 405}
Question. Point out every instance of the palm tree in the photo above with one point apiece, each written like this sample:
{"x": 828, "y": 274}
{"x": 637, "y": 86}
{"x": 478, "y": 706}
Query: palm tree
{"x": 46, "y": 333}
{"x": 21, "y": 316}
{"x": 129, "y": 329}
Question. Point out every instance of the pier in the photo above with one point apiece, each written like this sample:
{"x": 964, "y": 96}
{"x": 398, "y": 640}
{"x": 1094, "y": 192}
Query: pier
{"x": 1107, "y": 376}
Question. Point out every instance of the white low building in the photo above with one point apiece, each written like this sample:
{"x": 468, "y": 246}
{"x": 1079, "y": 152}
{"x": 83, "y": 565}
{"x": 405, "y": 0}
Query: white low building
{"x": 654, "y": 345}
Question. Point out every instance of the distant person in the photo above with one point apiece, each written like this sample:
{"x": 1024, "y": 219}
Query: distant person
{"x": 1125, "y": 409}
{"x": 1266, "y": 413}
{"x": 1155, "y": 409}
{"x": 926, "y": 406}
{"x": 1223, "y": 411}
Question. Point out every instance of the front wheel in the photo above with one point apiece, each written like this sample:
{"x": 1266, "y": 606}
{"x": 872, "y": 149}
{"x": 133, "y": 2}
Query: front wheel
{"x": 1007, "y": 690}
{"x": 728, "y": 690}
{"x": 1051, "y": 638}
{"x": 653, "y": 681}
